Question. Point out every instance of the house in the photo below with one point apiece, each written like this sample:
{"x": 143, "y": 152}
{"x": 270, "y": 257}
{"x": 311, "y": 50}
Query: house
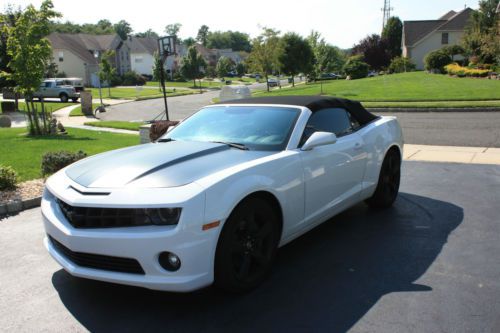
{"x": 75, "y": 54}
{"x": 422, "y": 37}
{"x": 142, "y": 51}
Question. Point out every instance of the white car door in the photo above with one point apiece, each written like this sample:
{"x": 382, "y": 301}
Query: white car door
{"x": 333, "y": 173}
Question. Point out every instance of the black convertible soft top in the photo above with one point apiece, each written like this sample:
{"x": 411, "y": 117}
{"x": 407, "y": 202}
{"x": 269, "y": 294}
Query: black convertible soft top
{"x": 313, "y": 103}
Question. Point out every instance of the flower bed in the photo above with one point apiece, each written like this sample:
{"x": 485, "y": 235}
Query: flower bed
{"x": 456, "y": 69}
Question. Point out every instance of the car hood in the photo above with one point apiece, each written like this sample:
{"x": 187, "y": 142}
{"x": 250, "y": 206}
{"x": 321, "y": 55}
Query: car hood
{"x": 168, "y": 164}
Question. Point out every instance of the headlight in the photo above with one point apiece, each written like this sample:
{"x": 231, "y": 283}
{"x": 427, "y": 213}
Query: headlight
{"x": 163, "y": 216}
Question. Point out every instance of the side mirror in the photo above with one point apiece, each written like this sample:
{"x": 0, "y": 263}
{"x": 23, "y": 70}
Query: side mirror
{"x": 319, "y": 139}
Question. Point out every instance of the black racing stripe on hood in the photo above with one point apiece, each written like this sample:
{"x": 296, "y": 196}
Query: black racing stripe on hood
{"x": 182, "y": 159}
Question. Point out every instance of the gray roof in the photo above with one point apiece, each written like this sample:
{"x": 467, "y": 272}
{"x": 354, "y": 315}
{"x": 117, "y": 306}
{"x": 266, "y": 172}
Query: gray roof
{"x": 142, "y": 44}
{"x": 83, "y": 45}
{"x": 448, "y": 15}
{"x": 414, "y": 31}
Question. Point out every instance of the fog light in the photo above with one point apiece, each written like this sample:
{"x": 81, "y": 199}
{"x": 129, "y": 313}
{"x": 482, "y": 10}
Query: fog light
{"x": 169, "y": 261}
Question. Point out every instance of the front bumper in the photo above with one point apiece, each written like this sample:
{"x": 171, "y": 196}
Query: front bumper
{"x": 194, "y": 247}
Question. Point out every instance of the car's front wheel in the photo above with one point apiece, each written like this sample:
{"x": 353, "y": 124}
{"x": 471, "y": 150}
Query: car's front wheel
{"x": 247, "y": 246}
{"x": 388, "y": 182}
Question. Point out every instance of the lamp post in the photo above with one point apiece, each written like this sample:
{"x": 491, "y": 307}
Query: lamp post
{"x": 96, "y": 56}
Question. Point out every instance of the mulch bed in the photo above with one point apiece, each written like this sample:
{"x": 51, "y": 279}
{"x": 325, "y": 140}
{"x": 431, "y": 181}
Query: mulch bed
{"x": 24, "y": 191}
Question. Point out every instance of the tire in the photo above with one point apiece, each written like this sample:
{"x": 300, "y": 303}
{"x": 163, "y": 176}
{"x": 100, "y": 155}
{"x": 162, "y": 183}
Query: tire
{"x": 75, "y": 99}
{"x": 63, "y": 97}
{"x": 388, "y": 182}
{"x": 247, "y": 246}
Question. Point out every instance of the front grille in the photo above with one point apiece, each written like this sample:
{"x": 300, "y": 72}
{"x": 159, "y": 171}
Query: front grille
{"x": 97, "y": 261}
{"x": 92, "y": 217}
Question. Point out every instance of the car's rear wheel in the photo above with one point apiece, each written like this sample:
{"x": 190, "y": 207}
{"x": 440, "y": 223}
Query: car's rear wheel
{"x": 247, "y": 246}
{"x": 75, "y": 99}
{"x": 63, "y": 97}
{"x": 388, "y": 182}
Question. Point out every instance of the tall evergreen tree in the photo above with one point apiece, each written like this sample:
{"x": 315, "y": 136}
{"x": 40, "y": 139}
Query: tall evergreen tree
{"x": 393, "y": 32}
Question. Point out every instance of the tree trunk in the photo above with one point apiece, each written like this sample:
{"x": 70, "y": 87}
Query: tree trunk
{"x": 293, "y": 80}
{"x": 267, "y": 82}
{"x": 30, "y": 119}
{"x": 44, "y": 120}
{"x": 194, "y": 82}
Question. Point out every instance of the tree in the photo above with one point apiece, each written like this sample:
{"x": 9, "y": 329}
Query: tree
{"x": 392, "y": 34}
{"x": 107, "y": 70}
{"x": 7, "y": 19}
{"x": 235, "y": 40}
{"x": 29, "y": 53}
{"x": 482, "y": 37}
{"x": 147, "y": 33}
{"x": 297, "y": 55}
{"x": 173, "y": 29}
{"x": 266, "y": 49}
{"x": 123, "y": 29}
{"x": 241, "y": 69}
{"x": 202, "y": 36}
{"x": 224, "y": 65}
{"x": 374, "y": 51}
{"x": 190, "y": 41}
{"x": 192, "y": 65}
{"x": 356, "y": 68}
{"x": 105, "y": 26}
{"x": 327, "y": 58}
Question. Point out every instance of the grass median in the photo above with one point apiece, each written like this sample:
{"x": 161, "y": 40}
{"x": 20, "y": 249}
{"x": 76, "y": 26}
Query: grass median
{"x": 126, "y": 125}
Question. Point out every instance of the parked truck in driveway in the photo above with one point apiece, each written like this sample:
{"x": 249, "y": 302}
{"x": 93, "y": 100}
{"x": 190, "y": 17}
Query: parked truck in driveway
{"x": 55, "y": 88}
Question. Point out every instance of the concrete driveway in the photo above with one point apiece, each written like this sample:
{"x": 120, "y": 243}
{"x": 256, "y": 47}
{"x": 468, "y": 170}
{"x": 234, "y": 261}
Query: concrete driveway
{"x": 429, "y": 264}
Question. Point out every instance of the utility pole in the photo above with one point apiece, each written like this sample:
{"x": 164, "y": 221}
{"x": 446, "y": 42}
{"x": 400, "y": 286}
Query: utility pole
{"x": 386, "y": 12}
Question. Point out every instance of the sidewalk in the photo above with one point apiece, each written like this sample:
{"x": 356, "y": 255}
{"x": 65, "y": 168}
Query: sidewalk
{"x": 472, "y": 155}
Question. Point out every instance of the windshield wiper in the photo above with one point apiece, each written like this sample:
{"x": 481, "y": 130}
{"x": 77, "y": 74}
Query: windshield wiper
{"x": 233, "y": 144}
{"x": 165, "y": 140}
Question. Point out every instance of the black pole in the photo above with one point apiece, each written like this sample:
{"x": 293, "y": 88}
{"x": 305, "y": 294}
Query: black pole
{"x": 162, "y": 80}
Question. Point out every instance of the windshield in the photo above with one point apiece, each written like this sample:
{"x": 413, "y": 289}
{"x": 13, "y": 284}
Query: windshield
{"x": 256, "y": 127}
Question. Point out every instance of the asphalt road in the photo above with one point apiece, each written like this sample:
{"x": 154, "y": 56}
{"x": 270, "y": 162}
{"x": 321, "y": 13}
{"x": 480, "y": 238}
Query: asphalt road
{"x": 429, "y": 264}
{"x": 473, "y": 129}
{"x": 179, "y": 107}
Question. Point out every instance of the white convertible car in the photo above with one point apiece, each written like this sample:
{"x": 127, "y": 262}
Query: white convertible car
{"x": 214, "y": 198}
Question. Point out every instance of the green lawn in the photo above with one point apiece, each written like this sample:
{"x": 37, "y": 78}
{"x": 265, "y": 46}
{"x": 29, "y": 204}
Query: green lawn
{"x": 128, "y": 125}
{"x": 49, "y": 106}
{"x": 24, "y": 153}
{"x": 405, "y": 87}
{"x": 76, "y": 112}
{"x": 188, "y": 84}
{"x": 132, "y": 93}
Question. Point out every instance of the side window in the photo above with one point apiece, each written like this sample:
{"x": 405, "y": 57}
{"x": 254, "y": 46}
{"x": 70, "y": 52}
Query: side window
{"x": 334, "y": 120}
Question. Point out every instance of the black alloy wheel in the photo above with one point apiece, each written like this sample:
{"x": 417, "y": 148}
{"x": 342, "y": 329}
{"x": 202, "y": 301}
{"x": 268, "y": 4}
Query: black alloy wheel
{"x": 388, "y": 182}
{"x": 247, "y": 246}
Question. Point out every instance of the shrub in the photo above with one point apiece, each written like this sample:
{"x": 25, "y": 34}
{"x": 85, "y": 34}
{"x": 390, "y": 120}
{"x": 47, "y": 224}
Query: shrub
{"x": 401, "y": 65}
{"x": 8, "y": 178}
{"x": 131, "y": 78}
{"x": 456, "y": 69}
{"x": 356, "y": 68}
{"x": 436, "y": 60}
{"x": 55, "y": 161}
{"x": 5, "y": 121}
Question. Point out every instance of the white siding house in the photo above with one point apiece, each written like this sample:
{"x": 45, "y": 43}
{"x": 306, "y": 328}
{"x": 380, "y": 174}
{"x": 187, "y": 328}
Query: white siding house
{"x": 422, "y": 37}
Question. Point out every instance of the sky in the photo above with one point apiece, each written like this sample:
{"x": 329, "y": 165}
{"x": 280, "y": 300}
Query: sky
{"x": 341, "y": 23}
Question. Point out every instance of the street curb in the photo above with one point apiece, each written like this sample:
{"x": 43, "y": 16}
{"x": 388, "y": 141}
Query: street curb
{"x": 476, "y": 109}
{"x": 17, "y": 206}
